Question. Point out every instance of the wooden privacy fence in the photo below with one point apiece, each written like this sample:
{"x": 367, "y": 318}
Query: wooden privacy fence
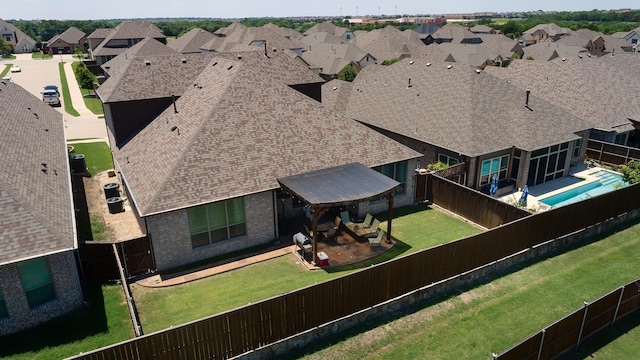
{"x": 567, "y": 333}
{"x": 250, "y": 327}
{"x": 97, "y": 260}
{"x": 471, "y": 204}
{"x": 611, "y": 153}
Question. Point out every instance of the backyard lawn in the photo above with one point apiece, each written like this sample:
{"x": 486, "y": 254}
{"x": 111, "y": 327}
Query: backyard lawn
{"x": 163, "y": 307}
{"x": 104, "y": 321}
{"x": 492, "y": 317}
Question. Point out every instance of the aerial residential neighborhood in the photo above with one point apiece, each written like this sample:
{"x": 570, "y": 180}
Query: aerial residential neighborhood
{"x": 334, "y": 158}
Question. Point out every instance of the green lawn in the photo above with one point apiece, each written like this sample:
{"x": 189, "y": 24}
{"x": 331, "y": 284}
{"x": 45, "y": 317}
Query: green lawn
{"x": 103, "y": 322}
{"x": 97, "y": 156}
{"x": 494, "y": 316}
{"x": 68, "y": 104}
{"x": 6, "y": 70}
{"x": 41, "y": 56}
{"x": 161, "y": 308}
{"x": 91, "y": 100}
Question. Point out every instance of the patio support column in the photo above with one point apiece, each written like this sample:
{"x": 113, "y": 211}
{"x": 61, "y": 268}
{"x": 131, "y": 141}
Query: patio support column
{"x": 316, "y": 213}
{"x": 389, "y": 216}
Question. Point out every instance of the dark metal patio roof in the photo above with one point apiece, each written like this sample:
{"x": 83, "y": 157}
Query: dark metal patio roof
{"x": 340, "y": 185}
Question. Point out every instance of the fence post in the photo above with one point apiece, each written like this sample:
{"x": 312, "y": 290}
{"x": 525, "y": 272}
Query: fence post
{"x": 584, "y": 318}
{"x": 615, "y": 314}
{"x": 544, "y": 331}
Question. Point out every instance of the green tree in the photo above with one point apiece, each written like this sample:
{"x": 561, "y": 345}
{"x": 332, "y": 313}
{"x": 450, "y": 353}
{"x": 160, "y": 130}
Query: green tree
{"x": 348, "y": 73}
{"x": 390, "y": 61}
{"x": 5, "y": 49}
{"x": 84, "y": 76}
{"x": 631, "y": 172}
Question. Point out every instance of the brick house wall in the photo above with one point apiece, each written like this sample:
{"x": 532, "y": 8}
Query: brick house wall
{"x": 68, "y": 293}
{"x": 171, "y": 241}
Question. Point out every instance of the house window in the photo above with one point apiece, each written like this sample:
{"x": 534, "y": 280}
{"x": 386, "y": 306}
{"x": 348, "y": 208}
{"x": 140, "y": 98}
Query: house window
{"x": 216, "y": 222}
{"x": 547, "y": 164}
{"x": 36, "y": 281}
{"x": 496, "y": 165}
{"x": 576, "y": 149}
{"x": 348, "y": 37}
{"x": 396, "y": 171}
{"x": 448, "y": 160}
{"x": 3, "y": 307}
{"x": 7, "y": 38}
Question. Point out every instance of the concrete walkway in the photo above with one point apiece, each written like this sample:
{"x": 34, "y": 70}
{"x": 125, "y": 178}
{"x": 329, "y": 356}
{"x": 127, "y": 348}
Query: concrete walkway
{"x": 157, "y": 281}
{"x": 76, "y": 95}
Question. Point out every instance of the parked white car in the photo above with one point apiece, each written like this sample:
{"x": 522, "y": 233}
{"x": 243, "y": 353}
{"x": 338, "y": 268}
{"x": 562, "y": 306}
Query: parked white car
{"x": 15, "y": 68}
{"x": 51, "y": 97}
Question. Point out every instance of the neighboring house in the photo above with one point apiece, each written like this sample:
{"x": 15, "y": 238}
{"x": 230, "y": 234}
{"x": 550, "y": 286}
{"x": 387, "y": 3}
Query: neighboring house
{"x": 122, "y": 37}
{"x": 66, "y": 42}
{"x": 326, "y": 27}
{"x": 602, "y": 91}
{"x": 202, "y": 175}
{"x": 427, "y": 28}
{"x": 330, "y": 59}
{"x": 453, "y": 33}
{"x": 475, "y": 55}
{"x": 191, "y": 41}
{"x": 320, "y": 38}
{"x": 542, "y": 32}
{"x": 19, "y": 41}
{"x": 267, "y": 38}
{"x": 632, "y": 37}
{"x": 549, "y": 50}
{"x": 457, "y": 114}
{"x": 141, "y": 83}
{"x": 97, "y": 37}
{"x": 505, "y": 47}
{"x": 482, "y": 29}
{"x": 38, "y": 274}
{"x": 596, "y": 43}
{"x": 389, "y": 43}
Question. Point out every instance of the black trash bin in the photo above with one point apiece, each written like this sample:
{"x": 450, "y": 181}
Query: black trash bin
{"x": 115, "y": 205}
{"x": 111, "y": 190}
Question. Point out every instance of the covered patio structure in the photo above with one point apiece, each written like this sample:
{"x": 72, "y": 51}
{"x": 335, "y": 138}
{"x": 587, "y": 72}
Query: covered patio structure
{"x": 339, "y": 186}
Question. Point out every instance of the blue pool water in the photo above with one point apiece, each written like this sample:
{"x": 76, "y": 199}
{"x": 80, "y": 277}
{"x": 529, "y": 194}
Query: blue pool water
{"x": 606, "y": 182}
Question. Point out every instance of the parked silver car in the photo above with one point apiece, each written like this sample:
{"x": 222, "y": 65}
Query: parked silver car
{"x": 51, "y": 97}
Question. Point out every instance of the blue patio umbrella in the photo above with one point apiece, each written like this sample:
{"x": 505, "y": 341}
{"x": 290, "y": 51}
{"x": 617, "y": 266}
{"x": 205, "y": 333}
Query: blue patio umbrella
{"x": 523, "y": 197}
{"x": 494, "y": 184}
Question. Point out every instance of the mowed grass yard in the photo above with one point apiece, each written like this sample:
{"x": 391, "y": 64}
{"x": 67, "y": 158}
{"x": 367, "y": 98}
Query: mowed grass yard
{"x": 494, "y": 316}
{"x": 415, "y": 227}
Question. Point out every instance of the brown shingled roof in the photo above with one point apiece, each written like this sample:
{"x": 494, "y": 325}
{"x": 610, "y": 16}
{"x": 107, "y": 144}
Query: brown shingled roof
{"x": 590, "y": 88}
{"x": 388, "y": 43}
{"x": 36, "y": 215}
{"x": 236, "y": 133}
{"x": 191, "y": 41}
{"x": 457, "y": 108}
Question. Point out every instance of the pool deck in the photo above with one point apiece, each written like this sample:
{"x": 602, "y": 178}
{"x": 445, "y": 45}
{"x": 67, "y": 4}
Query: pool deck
{"x": 578, "y": 176}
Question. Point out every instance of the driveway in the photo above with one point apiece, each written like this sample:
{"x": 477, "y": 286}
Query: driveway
{"x": 38, "y": 73}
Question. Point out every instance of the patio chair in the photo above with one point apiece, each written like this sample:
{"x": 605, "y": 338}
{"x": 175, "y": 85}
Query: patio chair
{"x": 334, "y": 230}
{"x": 367, "y": 221}
{"x": 374, "y": 226}
{"x": 345, "y": 218}
{"x": 376, "y": 240}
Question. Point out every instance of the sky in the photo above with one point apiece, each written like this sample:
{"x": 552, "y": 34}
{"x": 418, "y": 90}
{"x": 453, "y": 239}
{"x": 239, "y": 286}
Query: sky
{"x": 233, "y": 9}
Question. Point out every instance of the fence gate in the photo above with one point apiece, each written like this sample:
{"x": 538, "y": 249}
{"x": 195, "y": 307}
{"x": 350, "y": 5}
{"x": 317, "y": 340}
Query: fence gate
{"x": 98, "y": 262}
{"x": 137, "y": 256}
{"x": 421, "y": 187}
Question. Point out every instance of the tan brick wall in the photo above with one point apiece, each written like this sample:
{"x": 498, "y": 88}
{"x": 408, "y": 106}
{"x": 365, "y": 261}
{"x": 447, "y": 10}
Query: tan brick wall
{"x": 67, "y": 289}
{"x": 169, "y": 234}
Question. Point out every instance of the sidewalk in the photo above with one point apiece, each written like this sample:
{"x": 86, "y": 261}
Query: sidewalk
{"x": 76, "y": 96}
{"x": 157, "y": 281}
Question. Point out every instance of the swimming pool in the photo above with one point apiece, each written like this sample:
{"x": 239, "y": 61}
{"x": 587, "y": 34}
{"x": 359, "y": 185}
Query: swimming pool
{"x": 605, "y": 181}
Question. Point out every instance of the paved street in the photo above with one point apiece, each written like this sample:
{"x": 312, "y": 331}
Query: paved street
{"x": 38, "y": 73}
